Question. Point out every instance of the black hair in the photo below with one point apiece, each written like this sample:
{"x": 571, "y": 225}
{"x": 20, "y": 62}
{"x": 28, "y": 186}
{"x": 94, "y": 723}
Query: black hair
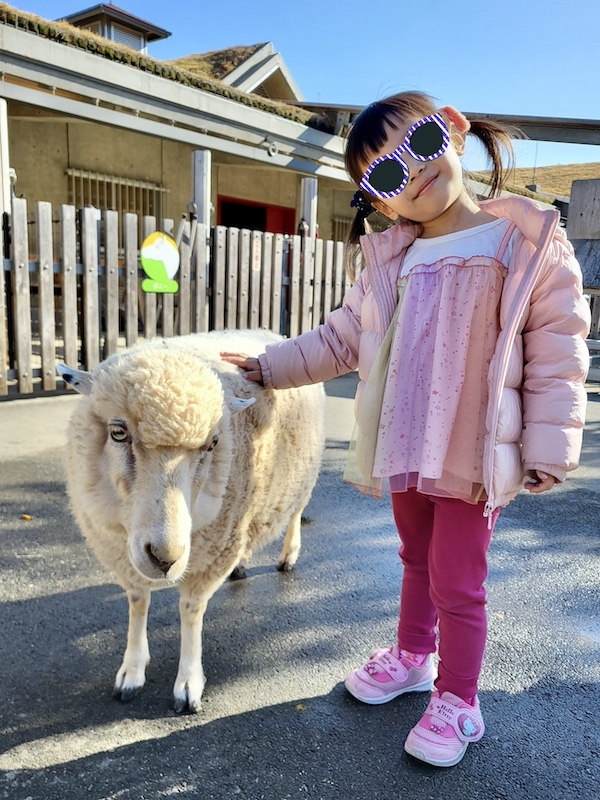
{"x": 368, "y": 135}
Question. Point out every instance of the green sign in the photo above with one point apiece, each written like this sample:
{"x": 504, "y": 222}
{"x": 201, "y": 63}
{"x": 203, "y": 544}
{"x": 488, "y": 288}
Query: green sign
{"x": 160, "y": 260}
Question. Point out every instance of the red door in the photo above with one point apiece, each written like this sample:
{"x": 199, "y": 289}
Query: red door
{"x": 234, "y": 213}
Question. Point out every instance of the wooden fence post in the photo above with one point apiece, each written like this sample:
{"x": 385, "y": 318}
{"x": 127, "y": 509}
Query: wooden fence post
{"x": 277, "y": 282}
{"x": 306, "y": 283}
{"x": 47, "y": 327}
{"x": 267, "y": 286}
{"x": 185, "y": 311}
{"x": 68, "y": 238}
{"x": 294, "y": 287}
{"x": 255, "y": 278}
{"x": 201, "y": 256}
{"x": 168, "y": 302}
{"x": 130, "y": 245}
{"x": 231, "y": 280}
{"x": 21, "y": 295}
{"x": 244, "y": 279}
{"x": 111, "y": 282}
{"x": 219, "y": 264}
{"x": 91, "y": 294}
{"x": 318, "y": 284}
{"x": 149, "y": 305}
{"x": 338, "y": 274}
{"x": 3, "y": 320}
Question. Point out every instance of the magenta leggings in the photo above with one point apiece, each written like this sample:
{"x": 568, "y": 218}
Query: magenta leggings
{"x": 444, "y": 553}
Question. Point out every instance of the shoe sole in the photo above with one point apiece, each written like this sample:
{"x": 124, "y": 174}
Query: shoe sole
{"x": 426, "y": 686}
{"x": 415, "y": 753}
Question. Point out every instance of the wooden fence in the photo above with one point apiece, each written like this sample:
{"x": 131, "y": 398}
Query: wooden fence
{"x": 70, "y": 288}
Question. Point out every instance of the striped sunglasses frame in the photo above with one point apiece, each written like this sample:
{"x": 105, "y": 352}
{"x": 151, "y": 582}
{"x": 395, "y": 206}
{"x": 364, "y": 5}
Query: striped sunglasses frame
{"x": 406, "y": 147}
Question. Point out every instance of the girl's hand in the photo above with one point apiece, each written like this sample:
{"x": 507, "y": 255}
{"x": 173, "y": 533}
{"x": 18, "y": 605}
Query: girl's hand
{"x": 539, "y": 482}
{"x": 250, "y": 366}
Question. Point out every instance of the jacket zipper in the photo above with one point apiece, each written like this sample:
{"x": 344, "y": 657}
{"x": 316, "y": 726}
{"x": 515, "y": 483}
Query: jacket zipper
{"x": 525, "y": 291}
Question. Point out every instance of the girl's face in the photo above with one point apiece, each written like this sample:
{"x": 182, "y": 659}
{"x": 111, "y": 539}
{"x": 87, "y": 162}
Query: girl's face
{"x": 433, "y": 186}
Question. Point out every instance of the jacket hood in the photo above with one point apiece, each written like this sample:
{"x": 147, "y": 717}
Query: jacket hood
{"x": 389, "y": 244}
{"x": 533, "y": 221}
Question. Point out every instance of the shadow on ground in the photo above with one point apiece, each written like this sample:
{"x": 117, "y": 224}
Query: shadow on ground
{"x": 332, "y": 747}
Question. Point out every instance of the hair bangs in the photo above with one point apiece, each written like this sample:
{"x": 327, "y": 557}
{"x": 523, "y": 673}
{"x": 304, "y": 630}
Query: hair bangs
{"x": 368, "y": 133}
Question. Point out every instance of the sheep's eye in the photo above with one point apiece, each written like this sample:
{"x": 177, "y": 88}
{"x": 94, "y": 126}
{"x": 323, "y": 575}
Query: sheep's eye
{"x": 213, "y": 444}
{"x": 119, "y": 434}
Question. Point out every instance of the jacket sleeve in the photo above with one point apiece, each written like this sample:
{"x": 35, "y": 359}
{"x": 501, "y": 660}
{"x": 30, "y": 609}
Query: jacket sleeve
{"x": 556, "y": 365}
{"x": 321, "y": 354}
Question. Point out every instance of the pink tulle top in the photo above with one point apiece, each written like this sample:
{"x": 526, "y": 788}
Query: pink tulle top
{"x": 432, "y": 424}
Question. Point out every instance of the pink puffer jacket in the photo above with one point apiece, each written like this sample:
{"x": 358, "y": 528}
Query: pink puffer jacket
{"x": 537, "y": 398}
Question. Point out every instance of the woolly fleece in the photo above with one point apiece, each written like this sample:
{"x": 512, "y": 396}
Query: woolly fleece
{"x": 171, "y": 483}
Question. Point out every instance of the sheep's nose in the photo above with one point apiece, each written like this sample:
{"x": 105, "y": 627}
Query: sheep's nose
{"x": 164, "y": 565}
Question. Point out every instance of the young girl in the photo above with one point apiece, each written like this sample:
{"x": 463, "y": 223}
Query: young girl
{"x": 482, "y": 388}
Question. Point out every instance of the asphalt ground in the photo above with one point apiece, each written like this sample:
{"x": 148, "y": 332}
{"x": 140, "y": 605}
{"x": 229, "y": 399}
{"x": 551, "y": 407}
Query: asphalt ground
{"x": 276, "y": 721}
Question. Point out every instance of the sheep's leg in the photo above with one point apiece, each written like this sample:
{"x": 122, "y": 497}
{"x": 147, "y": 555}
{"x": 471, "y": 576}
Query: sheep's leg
{"x": 238, "y": 573}
{"x": 190, "y": 680}
{"x": 132, "y": 674}
{"x": 291, "y": 544}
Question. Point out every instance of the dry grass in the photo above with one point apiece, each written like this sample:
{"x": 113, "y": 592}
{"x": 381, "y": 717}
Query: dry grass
{"x": 216, "y": 64}
{"x": 555, "y": 180}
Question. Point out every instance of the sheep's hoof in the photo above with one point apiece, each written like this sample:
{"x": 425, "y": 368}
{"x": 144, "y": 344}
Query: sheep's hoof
{"x": 187, "y": 693}
{"x": 239, "y": 573}
{"x": 183, "y": 706}
{"x": 285, "y": 565}
{"x": 126, "y": 695}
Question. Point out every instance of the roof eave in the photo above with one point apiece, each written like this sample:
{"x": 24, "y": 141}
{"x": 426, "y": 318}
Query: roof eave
{"x": 152, "y": 32}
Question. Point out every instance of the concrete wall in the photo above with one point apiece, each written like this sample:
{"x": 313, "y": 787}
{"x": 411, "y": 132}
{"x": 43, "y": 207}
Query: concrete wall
{"x": 41, "y": 152}
{"x": 40, "y": 160}
{"x": 251, "y": 181}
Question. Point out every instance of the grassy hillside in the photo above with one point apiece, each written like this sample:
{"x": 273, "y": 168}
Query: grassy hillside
{"x": 554, "y": 180}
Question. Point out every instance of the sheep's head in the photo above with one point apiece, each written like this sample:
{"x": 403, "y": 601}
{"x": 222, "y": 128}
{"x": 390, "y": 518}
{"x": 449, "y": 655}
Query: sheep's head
{"x": 154, "y": 436}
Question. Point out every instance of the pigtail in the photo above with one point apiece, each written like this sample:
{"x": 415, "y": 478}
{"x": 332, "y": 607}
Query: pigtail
{"x": 497, "y": 142}
{"x": 357, "y": 228}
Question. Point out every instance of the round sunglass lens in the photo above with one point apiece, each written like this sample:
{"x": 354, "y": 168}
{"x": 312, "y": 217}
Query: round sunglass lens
{"x": 387, "y": 176}
{"x": 427, "y": 140}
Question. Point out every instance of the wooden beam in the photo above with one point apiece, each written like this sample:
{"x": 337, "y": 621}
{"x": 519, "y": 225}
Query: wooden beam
{"x": 541, "y": 129}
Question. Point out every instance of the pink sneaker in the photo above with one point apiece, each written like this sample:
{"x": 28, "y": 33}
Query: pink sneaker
{"x": 442, "y": 734}
{"x": 389, "y": 673}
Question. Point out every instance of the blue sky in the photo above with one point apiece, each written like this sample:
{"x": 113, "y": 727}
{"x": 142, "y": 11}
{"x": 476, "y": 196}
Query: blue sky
{"x": 530, "y": 57}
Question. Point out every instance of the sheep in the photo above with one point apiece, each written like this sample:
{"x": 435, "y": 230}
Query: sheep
{"x": 178, "y": 469}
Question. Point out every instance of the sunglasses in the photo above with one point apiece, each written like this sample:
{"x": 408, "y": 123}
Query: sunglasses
{"x": 426, "y": 140}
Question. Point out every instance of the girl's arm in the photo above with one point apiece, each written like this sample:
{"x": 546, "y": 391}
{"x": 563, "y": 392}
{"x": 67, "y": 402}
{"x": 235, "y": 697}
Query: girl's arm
{"x": 319, "y": 355}
{"x": 556, "y": 365}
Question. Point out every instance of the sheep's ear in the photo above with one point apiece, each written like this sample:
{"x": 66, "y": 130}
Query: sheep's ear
{"x": 235, "y": 404}
{"x": 80, "y": 380}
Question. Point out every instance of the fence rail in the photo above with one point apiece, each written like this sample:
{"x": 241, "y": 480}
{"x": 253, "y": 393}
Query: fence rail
{"x": 70, "y": 288}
